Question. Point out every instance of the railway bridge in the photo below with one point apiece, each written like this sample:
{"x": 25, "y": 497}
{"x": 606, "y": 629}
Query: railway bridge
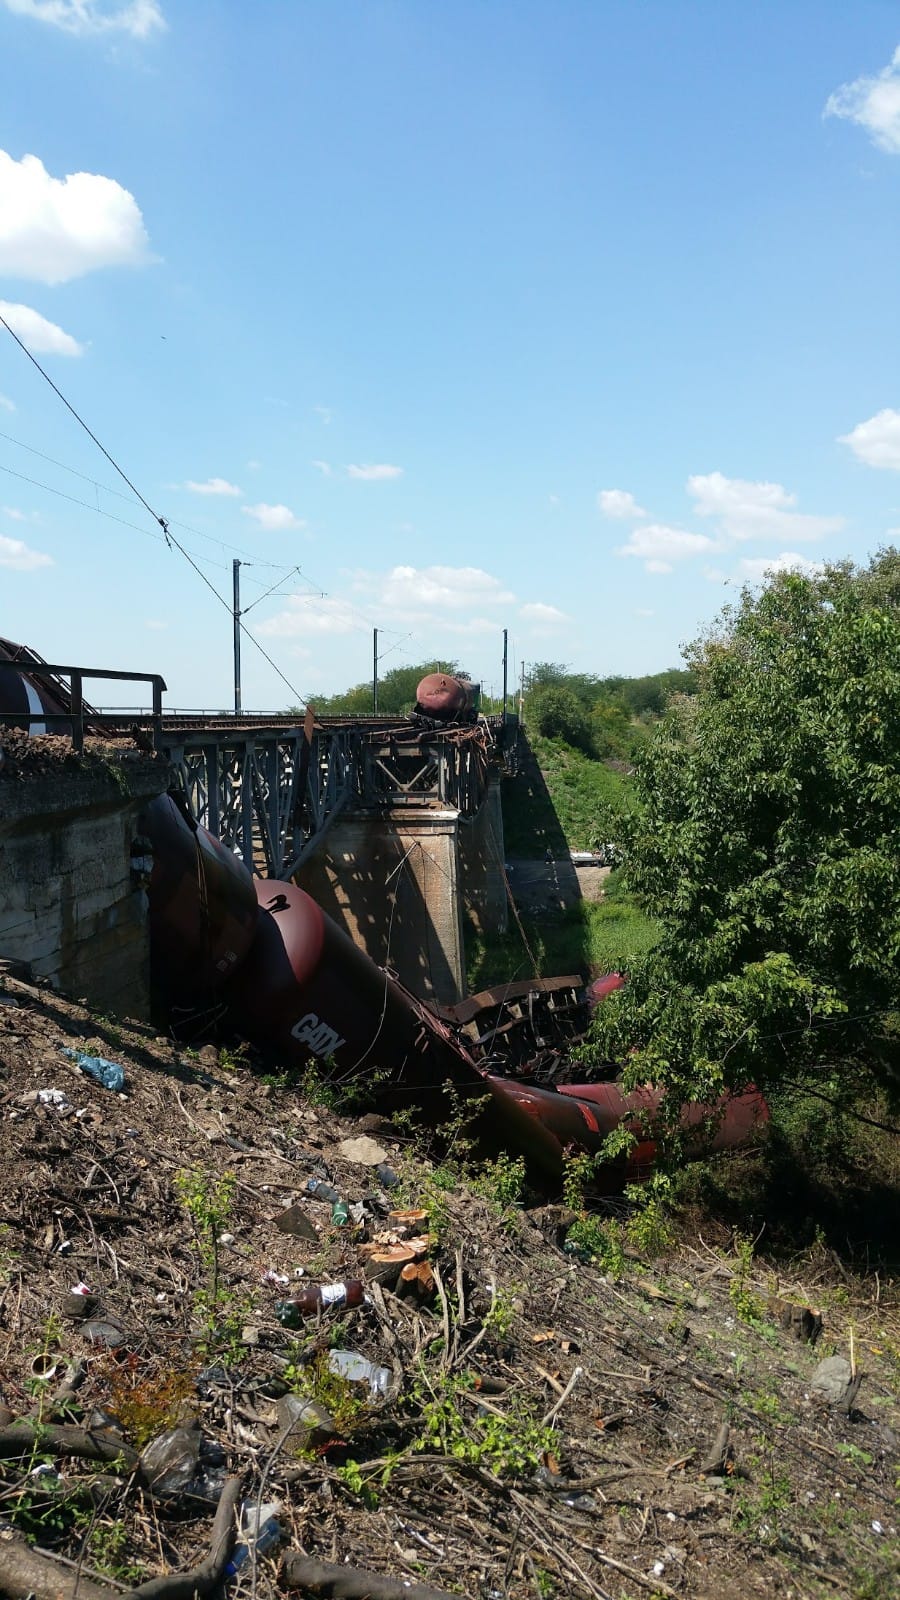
{"x": 392, "y": 823}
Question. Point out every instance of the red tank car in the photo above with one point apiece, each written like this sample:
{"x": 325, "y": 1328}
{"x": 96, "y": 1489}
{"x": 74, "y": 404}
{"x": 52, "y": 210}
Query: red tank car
{"x": 29, "y": 700}
{"x": 309, "y": 992}
{"x": 447, "y": 699}
{"x": 203, "y": 908}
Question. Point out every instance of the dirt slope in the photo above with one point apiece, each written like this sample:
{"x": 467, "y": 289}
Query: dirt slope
{"x": 545, "y": 1425}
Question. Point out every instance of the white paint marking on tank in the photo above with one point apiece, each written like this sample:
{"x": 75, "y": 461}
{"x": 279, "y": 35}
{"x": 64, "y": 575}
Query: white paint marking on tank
{"x": 34, "y": 706}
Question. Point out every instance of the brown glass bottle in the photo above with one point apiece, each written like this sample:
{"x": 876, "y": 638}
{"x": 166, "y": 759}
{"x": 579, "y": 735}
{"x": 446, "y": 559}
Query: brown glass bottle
{"x": 315, "y": 1297}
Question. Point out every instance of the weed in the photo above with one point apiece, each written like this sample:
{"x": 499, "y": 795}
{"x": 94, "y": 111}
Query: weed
{"x": 506, "y": 1444}
{"x": 591, "y": 1237}
{"x": 769, "y": 1406}
{"x": 747, "y": 1305}
{"x": 107, "y": 1546}
{"x": 852, "y": 1452}
{"x": 649, "y": 1228}
{"x": 146, "y": 1402}
{"x": 501, "y": 1317}
{"x": 208, "y": 1201}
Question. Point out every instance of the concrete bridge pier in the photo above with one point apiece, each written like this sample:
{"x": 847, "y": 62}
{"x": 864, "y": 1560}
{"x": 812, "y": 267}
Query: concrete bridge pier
{"x": 391, "y": 879}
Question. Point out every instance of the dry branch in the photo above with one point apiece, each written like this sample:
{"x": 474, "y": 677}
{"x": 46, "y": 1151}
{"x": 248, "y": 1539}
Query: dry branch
{"x": 202, "y": 1579}
{"x": 63, "y": 1439}
{"x": 23, "y": 1573}
{"x": 332, "y": 1582}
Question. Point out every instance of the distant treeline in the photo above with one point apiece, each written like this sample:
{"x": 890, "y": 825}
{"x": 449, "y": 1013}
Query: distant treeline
{"x": 604, "y": 717}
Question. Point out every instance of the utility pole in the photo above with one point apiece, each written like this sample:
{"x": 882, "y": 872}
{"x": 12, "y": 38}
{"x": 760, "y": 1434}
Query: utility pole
{"x": 236, "y": 613}
{"x": 505, "y": 658}
{"x": 375, "y": 671}
{"x": 522, "y": 696}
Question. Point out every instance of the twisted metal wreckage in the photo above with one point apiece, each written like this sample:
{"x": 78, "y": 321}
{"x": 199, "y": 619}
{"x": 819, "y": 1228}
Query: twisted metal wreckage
{"x": 263, "y": 954}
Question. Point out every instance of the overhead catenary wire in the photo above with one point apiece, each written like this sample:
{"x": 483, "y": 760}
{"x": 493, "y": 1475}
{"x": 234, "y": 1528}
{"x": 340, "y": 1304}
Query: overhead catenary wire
{"x": 170, "y": 538}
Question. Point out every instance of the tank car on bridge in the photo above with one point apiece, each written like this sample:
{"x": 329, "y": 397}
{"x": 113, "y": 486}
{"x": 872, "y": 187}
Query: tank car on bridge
{"x": 446, "y": 699}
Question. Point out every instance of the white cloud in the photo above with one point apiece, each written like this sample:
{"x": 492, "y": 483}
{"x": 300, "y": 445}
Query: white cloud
{"x": 253, "y": 466}
{"x": 757, "y": 568}
{"x": 37, "y": 333}
{"x": 18, "y": 556}
{"x": 323, "y": 467}
{"x": 537, "y": 611}
{"x": 618, "y": 503}
{"x": 155, "y": 624}
{"x": 747, "y": 510}
{"x": 375, "y": 474}
{"x": 409, "y": 591}
{"x": 6, "y": 404}
{"x": 275, "y": 519}
{"x": 55, "y": 229}
{"x": 310, "y": 614}
{"x": 324, "y": 413}
{"x": 213, "y": 486}
{"x": 873, "y": 102}
{"x": 876, "y": 442}
{"x": 658, "y": 546}
{"x": 139, "y": 18}
{"x": 642, "y": 611}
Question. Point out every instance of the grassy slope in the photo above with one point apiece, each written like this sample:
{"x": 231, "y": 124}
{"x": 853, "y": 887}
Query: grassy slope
{"x": 560, "y": 801}
{"x": 563, "y": 808}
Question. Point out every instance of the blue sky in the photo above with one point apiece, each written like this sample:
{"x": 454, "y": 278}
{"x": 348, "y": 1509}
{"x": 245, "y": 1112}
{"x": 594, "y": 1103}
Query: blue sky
{"x": 568, "y": 317}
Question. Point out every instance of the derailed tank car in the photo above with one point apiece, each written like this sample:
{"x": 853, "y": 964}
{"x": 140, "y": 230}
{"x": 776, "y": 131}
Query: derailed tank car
{"x": 31, "y": 700}
{"x": 446, "y": 699}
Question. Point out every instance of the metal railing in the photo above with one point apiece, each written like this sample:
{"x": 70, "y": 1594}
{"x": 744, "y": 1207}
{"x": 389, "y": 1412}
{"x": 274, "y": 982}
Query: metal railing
{"x": 76, "y": 714}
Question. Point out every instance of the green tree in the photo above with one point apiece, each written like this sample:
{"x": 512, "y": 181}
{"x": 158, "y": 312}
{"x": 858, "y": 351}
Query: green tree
{"x": 557, "y": 713}
{"x": 765, "y": 842}
{"x": 396, "y": 692}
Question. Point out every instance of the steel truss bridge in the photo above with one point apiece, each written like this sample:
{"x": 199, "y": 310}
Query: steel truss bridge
{"x": 270, "y": 787}
{"x": 271, "y": 790}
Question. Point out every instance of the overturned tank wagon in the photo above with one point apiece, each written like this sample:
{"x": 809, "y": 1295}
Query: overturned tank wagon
{"x": 447, "y": 699}
{"x": 265, "y": 954}
{"x": 35, "y": 702}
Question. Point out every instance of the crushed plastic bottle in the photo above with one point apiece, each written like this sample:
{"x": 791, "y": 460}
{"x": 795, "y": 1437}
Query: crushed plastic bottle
{"x": 260, "y": 1532}
{"x": 315, "y": 1297}
{"x": 356, "y": 1369}
{"x": 109, "y": 1073}
{"x": 170, "y": 1461}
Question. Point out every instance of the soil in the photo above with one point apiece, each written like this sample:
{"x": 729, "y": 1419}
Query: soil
{"x": 451, "y": 1480}
{"x": 543, "y": 888}
{"x": 24, "y": 755}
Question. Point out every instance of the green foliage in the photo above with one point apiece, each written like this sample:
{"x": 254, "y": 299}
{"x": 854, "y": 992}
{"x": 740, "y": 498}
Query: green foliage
{"x": 649, "y": 1227}
{"x": 556, "y": 713}
{"x": 748, "y": 1306}
{"x": 764, "y": 842}
{"x": 594, "y": 936}
{"x": 590, "y": 1237}
{"x": 396, "y": 692}
{"x": 508, "y": 1444}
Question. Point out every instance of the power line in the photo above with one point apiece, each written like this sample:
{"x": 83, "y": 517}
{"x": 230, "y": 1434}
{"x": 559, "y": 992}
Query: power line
{"x": 170, "y": 538}
{"x": 250, "y": 560}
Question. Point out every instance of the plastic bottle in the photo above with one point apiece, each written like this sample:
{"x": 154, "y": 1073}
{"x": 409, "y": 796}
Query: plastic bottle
{"x": 261, "y": 1532}
{"x": 315, "y": 1297}
{"x": 322, "y": 1190}
{"x": 356, "y": 1369}
{"x": 340, "y": 1213}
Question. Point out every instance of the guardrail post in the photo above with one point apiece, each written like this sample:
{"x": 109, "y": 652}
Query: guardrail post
{"x": 77, "y": 712}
